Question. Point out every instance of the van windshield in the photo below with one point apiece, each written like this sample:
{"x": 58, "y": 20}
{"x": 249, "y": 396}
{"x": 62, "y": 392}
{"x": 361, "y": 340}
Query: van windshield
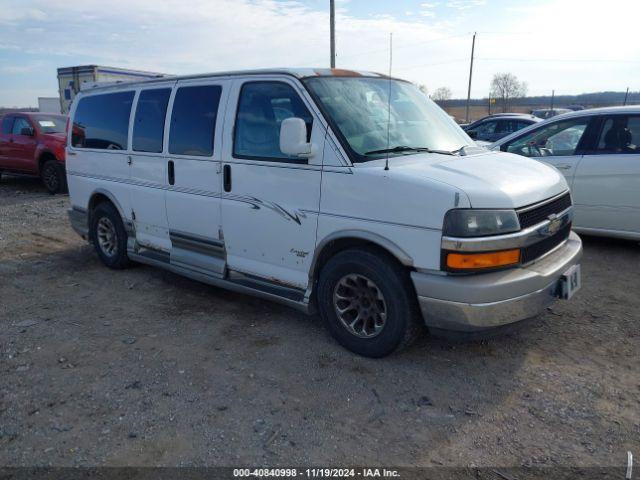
{"x": 358, "y": 107}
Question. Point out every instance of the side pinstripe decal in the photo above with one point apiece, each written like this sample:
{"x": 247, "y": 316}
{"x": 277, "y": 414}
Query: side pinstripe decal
{"x": 255, "y": 203}
{"x": 192, "y": 191}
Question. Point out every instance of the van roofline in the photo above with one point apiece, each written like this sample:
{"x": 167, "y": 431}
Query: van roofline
{"x": 107, "y": 69}
{"x": 299, "y": 73}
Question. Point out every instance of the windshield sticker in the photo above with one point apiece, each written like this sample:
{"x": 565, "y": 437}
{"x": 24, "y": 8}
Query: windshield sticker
{"x": 46, "y": 123}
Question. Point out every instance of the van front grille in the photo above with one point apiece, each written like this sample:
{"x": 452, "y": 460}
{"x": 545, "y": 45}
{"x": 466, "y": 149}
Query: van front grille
{"x": 530, "y": 217}
{"x": 532, "y": 252}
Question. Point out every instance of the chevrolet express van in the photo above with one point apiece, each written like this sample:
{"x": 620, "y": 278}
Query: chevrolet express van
{"x": 342, "y": 192}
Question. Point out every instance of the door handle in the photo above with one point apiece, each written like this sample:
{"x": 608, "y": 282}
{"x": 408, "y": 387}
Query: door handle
{"x": 129, "y": 160}
{"x": 171, "y": 172}
{"x": 563, "y": 166}
{"x": 226, "y": 175}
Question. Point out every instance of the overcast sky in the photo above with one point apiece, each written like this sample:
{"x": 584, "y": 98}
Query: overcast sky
{"x": 571, "y": 46}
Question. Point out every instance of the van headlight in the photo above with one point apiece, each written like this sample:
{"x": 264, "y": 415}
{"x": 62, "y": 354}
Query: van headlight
{"x": 479, "y": 223}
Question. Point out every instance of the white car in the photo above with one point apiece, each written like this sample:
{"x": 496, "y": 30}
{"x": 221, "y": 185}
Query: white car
{"x": 598, "y": 151}
{"x": 302, "y": 186}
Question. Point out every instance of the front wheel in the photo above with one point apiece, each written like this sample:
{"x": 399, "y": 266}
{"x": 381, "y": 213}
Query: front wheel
{"x": 53, "y": 177}
{"x": 368, "y": 303}
{"x": 109, "y": 236}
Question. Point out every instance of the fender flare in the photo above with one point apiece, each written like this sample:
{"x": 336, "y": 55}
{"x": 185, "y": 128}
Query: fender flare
{"x": 403, "y": 257}
{"x": 41, "y": 153}
{"x": 112, "y": 199}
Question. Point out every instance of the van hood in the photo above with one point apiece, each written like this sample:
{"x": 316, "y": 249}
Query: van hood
{"x": 490, "y": 179}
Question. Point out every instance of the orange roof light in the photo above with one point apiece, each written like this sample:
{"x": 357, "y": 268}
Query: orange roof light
{"x": 474, "y": 261}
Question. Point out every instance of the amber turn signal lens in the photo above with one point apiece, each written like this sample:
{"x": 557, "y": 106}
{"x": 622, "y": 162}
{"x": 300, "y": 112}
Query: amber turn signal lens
{"x": 472, "y": 261}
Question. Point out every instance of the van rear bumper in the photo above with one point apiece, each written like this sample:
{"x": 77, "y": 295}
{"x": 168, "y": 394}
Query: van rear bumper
{"x": 473, "y": 303}
{"x": 79, "y": 221}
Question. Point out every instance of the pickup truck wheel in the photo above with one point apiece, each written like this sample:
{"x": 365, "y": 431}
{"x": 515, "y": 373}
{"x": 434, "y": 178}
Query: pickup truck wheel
{"x": 109, "y": 236}
{"x": 53, "y": 177}
{"x": 368, "y": 302}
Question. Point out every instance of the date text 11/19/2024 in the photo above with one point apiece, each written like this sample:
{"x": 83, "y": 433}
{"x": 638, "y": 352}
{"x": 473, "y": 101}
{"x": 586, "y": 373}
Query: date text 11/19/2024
{"x": 316, "y": 472}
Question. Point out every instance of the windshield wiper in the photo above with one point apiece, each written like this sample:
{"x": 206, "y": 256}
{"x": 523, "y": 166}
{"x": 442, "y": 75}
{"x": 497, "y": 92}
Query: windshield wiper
{"x": 405, "y": 148}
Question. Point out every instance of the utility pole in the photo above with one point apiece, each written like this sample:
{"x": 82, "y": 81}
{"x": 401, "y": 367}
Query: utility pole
{"x": 625, "y": 97}
{"x": 473, "y": 47}
{"x": 332, "y": 28}
{"x": 553, "y": 94}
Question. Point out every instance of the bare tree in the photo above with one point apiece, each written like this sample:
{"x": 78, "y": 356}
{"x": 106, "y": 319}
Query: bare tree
{"x": 505, "y": 87}
{"x": 441, "y": 93}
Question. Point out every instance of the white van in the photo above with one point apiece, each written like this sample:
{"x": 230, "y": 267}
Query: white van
{"x": 342, "y": 192}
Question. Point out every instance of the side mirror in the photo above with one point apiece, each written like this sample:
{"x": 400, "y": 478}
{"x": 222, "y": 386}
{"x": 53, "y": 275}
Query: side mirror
{"x": 27, "y": 131}
{"x": 293, "y": 138}
{"x": 472, "y": 133}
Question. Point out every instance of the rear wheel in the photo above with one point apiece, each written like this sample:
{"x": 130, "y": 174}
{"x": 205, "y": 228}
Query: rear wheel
{"x": 109, "y": 236}
{"x": 368, "y": 303}
{"x": 53, "y": 177}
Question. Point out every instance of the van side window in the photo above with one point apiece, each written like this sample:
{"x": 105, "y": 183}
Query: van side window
{"x": 7, "y": 124}
{"x": 261, "y": 109}
{"x": 193, "y": 120}
{"x": 102, "y": 121}
{"x": 148, "y": 125}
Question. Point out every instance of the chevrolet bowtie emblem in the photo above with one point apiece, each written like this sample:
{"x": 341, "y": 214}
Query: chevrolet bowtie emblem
{"x": 555, "y": 223}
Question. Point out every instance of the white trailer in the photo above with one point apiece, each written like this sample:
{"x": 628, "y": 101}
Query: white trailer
{"x": 72, "y": 79}
{"x": 49, "y": 104}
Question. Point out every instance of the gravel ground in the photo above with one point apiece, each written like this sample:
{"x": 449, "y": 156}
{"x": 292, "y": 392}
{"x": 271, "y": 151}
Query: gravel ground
{"x": 143, "y": 367}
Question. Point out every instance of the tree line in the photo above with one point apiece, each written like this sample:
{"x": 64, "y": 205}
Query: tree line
{"x": 506, "y": 89}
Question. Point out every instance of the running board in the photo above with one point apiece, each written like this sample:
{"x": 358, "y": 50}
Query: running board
{"x": 256, "y": 283}
{"x": 246, "y": 285}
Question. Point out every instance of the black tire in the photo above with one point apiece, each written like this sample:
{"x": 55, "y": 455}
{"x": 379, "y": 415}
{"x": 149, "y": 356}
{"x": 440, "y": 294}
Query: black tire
{"x": 103, "y": 215}
{"x": 391, "y": 280}
{"x": 53, "y": 177}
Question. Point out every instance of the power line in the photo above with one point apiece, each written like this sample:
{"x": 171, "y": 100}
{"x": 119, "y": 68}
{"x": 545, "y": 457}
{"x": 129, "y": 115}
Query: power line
{"x": 448, "y": 62}
{"x": 563, "y": 60}
{"x": 408, "y": 45}
{"x": 505, "y": 33}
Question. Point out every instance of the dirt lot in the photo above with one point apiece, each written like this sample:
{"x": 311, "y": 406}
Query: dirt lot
{"x": 143, "y": 367}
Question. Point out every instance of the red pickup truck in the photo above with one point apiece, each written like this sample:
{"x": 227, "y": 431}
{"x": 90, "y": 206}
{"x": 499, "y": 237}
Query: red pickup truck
{"x": 33, "y": 143}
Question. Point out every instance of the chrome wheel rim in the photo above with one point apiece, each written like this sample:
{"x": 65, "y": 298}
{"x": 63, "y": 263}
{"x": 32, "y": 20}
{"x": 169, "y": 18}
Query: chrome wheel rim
{"x": 107, "y": 237}
{"x": 51, "y": 178}
{"x": 360, "y": 306}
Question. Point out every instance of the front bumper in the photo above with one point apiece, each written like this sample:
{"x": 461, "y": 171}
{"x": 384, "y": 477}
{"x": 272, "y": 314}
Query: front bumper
{"x": 483, "y": 301}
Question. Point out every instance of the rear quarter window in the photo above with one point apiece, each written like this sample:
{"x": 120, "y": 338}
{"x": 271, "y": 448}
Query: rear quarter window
{"x": 102, "y": 121}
